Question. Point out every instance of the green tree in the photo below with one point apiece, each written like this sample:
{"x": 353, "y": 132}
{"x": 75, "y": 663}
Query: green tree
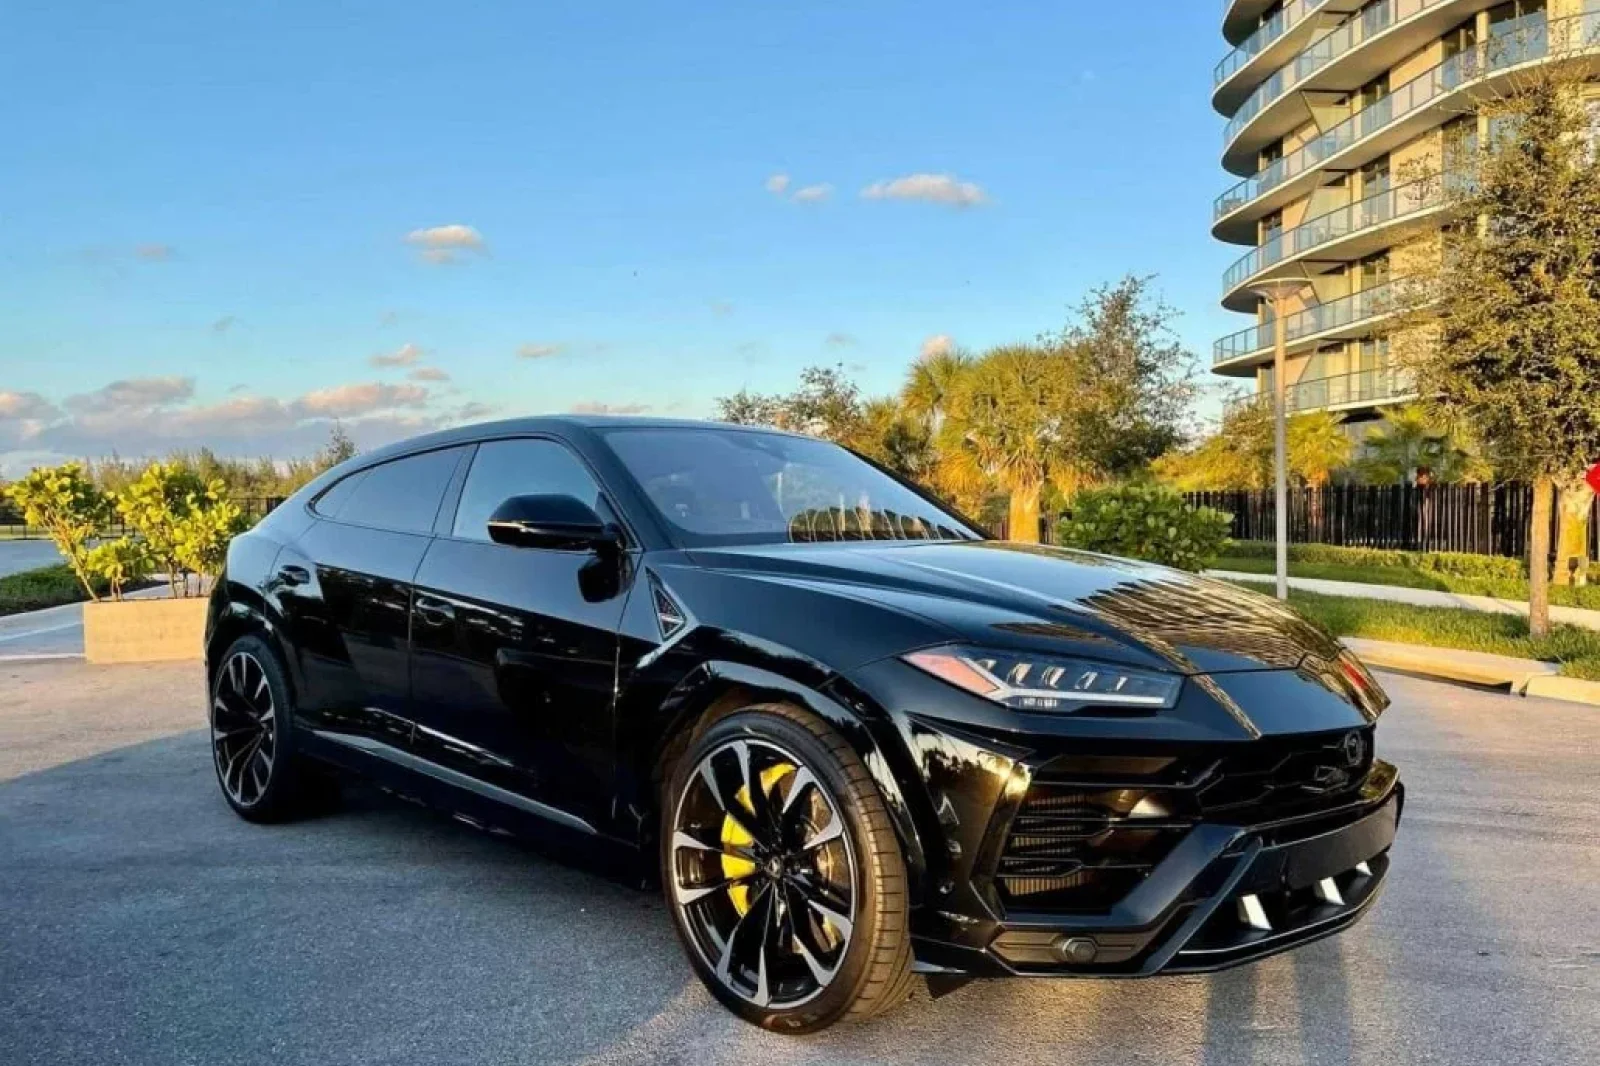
{"x": 1510, "y": 341}
{"x": 339, "y": 447}
{"x": 1012, "y": 420}
{"x": 1135, "y": 379}
{"x": 65, "y": 503}
{"x": 1318, "y": 447}
{"x": 827, "y": 404}
{"x": 1412, "y": 440}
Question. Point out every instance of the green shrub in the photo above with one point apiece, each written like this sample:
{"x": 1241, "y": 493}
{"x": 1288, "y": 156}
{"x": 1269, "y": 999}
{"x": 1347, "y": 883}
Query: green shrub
{"x": 1456, "y": 564}
{"x": 65, "y": 504}
{"x": 1146, "y": 521}
{"x": 119, "y": 563}
{"x": 48, "y": 586}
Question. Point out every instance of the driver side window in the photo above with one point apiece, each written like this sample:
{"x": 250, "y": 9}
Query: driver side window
{"x": 525, "y": 467}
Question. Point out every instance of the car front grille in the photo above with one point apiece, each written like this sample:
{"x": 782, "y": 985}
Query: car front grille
{"x": 1092, "y": 826}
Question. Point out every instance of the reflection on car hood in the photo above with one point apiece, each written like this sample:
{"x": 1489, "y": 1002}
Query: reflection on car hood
{"x": 1071, "y": 602}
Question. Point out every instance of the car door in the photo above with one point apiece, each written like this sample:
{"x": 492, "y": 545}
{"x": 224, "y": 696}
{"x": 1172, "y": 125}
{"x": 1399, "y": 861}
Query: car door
{"x": 346, "y": 588}
{"x": 514, "y": 649}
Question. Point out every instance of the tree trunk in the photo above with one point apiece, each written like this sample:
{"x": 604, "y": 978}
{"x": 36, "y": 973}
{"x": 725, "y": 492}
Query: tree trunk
{"x": 1024, "y": 515}
{"x": 1539, "y": 558}
{"x": 1573, "y": 502}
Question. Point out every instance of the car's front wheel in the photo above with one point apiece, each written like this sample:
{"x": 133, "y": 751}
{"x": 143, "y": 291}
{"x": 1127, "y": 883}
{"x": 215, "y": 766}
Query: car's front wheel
{"x": 263, "y": 776}
{"x": 784, "y": 874}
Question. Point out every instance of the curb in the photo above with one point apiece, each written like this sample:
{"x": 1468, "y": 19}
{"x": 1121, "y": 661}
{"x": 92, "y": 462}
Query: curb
{"x": 1520, "y": 677}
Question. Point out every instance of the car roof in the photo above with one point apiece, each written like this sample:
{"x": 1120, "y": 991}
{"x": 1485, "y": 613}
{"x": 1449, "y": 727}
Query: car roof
{"x": 532, "y": 424}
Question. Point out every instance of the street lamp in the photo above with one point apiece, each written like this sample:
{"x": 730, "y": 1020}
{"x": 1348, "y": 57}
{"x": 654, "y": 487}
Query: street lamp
{"x": 1277, "y": 294}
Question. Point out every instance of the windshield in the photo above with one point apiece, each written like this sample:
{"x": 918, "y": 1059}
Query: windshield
{"x": 731, "y": 486}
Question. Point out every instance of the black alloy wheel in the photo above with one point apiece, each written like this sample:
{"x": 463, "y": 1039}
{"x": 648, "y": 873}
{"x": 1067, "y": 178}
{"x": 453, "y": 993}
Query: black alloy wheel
{"x": 784, "y": 876}
{"x": 263, "y": 777}
{"x": 243, "y": 728}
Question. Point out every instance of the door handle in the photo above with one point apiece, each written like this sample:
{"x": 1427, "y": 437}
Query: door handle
{"x": 434, "y": 613}
{"x": 292, "y": 575}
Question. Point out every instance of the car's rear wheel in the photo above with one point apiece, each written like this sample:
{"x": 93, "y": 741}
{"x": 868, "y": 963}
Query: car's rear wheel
{"x": 263, "y": 776}
{"x": 783, "y": 872}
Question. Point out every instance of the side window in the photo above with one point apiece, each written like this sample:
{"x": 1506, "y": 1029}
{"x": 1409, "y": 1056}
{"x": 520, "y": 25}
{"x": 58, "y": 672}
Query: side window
{"x": 506, "y": 468}
{"x": 337, "y": 495}
{"x": 402, "y": 495}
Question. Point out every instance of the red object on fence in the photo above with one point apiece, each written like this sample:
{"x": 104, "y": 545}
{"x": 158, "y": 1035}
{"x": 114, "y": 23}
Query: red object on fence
{"x": 1593, "y": 477}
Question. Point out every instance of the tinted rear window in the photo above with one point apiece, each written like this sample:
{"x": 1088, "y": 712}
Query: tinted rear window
{"x": 402, "y": 495}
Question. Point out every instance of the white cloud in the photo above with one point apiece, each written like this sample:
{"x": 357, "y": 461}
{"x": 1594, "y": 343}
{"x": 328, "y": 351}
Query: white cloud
{"x": 154, "y": 252}
{"x": 19, "y": 406}
{"x": 444, "y": 244}
{"x": 428, "y": 373}
{"x": 539, "y": 351}
{"x": 405, "y": 355}
{"x": 931, "y": 188}
{"x": 355, "y": 400}
{"x": 153, "y": 416}
{"x": 938, "y": 344}
{"x": 595, "y": 407}
{"x": 839, "y": 340}
{"x": 778, "y": 184}
{"x": 812, "y": 194}
{"x": 132, "y": 394}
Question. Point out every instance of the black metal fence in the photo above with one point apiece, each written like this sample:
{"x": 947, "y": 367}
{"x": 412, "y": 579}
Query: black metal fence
{"x": 12, "y": 527}
{"x": 1484, "y": 519}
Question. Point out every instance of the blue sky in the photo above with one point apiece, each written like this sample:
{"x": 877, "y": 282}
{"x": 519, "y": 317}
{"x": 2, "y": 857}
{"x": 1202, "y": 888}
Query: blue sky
{"x": 205, "y": 208}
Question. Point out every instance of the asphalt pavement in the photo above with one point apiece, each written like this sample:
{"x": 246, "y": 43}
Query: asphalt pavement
{"x": 143, "y": 923}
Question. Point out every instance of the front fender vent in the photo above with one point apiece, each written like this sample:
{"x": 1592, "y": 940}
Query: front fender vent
{"x": 669, "y": 616}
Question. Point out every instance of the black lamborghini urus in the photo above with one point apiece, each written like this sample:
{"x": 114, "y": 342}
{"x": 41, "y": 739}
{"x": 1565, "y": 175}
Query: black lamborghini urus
{"x": 858, "y": 738}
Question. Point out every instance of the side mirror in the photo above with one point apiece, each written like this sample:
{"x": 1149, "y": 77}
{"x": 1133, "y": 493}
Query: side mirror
{"x": 563, "y": 522}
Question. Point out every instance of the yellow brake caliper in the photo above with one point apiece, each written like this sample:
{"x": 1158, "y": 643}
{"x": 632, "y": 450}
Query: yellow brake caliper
{"x": 733, "y": 835}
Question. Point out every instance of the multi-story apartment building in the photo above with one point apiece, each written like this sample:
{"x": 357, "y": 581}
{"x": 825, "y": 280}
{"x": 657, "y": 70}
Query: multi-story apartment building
{"x": 1341, "y": 114}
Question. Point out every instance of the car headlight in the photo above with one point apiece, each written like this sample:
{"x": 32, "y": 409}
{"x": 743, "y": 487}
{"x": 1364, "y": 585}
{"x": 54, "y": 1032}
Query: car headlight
{"x": 1046, "y": 683}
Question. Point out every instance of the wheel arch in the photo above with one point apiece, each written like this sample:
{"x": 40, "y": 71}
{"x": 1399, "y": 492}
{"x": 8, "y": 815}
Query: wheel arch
{"x": 239, "y": 611}
{"x": 717, "y": 688}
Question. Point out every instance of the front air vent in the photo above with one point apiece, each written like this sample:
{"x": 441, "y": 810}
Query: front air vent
{"x": 669, "y": 616}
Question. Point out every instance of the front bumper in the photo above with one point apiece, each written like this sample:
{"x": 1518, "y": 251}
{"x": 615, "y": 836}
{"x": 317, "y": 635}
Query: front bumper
{"x": 1230, "y": 897}
{"x": 1224, "y": 895}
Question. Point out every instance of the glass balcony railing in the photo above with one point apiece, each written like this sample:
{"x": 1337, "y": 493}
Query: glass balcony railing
{"x": 1288, "y": 17}
{"x": 1524, "y": 44}
{"x": 1386, "y": 206}
{"x": 1383, "y": 384}
{"x": 1334, "y": 314}
{"x": 1379, "y": 385}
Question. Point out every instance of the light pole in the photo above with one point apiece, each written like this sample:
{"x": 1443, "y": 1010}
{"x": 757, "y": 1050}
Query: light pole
{"x": 1277, "y": 294}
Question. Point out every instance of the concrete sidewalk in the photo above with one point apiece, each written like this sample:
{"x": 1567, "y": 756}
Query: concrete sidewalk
{"x": 1521, "y": 677}
{"x": 1571, "y": 616}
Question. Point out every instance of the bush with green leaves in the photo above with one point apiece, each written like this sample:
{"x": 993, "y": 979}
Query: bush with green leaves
{"x": 1146, "y": 521}
{"x": 119, "y": 563}
{"x": 64, "y": 502}
{"x": 1454, "y": 564}
{"x": 184, "y": 523}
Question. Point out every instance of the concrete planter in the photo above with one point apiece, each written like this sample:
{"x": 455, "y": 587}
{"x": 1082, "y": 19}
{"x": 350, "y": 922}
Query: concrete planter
{"x": 144, "y": 630}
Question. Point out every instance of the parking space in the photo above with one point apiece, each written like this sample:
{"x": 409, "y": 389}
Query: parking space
{"x": 143, "y": 923}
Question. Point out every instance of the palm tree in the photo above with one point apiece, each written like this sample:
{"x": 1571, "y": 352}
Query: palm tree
{"x": 932, "y": 381}
{"x": 1318, "y": 445}
{"x": 1008, "y": 419}
{"x": 1409, "y": 440}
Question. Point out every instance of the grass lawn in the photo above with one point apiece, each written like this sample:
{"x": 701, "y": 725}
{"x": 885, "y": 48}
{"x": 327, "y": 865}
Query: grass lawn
{"x": 1588, "y": 596}
{"x": 34, "y": 590}
{"x": 1577, "y": 650}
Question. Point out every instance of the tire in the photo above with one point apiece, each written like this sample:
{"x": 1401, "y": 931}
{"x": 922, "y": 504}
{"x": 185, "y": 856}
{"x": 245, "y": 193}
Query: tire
{"x": 263, "y": 776}
{"x": 790, "y": 898}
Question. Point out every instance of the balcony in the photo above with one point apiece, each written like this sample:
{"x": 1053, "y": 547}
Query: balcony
{"x": 1321, "y": 322}
{"x": 1407, "y": 19}
{"x": 1410, "y": 109}
{"x": 1340, "y": 392}
{"x": 1338, "y": 233}
{"x": 1273, "y": 42}
{"x": 1360, "y": 388}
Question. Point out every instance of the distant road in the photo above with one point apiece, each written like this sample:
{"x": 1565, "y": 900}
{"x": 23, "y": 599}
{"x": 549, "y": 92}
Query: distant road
{"x": 16, "y": 555}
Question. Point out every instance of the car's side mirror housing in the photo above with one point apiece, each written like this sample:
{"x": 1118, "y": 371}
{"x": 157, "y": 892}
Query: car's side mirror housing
{"x": 561, "y": 522}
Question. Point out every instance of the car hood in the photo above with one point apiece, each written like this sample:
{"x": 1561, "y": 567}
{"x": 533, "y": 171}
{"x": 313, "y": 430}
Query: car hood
{"x": 1050, "y": 599}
